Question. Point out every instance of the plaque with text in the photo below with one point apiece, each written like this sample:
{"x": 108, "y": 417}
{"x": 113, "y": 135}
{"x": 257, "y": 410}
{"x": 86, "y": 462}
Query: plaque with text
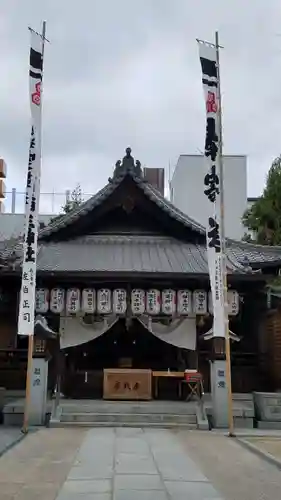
{"x": 127, "y": 384}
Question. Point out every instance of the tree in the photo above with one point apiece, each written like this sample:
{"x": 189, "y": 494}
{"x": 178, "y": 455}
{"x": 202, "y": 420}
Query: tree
{"x": 74, "y": 201}
{"x": 264, "y": 216}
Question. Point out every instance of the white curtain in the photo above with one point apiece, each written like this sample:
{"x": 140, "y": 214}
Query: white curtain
{"x": 180, "y": 332}
{"x": 73, "y": 330}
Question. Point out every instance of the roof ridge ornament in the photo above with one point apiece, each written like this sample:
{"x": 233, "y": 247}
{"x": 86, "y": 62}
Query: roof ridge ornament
{"x": 127, "y": 165}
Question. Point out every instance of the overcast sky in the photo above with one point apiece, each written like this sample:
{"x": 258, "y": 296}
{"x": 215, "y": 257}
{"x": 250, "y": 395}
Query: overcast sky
{"x": 127, "y": 72}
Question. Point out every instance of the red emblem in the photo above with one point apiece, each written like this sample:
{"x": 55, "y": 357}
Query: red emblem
{"x": 211, "y": 103}
{"x": 36, "y": 96}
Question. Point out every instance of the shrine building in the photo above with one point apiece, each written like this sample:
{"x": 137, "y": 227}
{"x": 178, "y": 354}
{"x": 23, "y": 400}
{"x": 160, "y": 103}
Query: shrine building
{"x": 124, "y": 281}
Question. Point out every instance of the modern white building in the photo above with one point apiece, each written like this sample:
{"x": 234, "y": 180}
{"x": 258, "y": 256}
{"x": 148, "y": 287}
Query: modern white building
{"x": 187, "y": 190}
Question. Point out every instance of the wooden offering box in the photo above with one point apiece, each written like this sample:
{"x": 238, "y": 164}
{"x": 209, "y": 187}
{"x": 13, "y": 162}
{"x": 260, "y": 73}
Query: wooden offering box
{"x": 127, "y": 384}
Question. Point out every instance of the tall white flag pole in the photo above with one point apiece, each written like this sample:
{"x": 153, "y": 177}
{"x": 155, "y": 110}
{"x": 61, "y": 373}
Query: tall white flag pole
{"x": 215, "y": 230}
{"x": 27, "y": 306}
{"x": 223, "y": 246}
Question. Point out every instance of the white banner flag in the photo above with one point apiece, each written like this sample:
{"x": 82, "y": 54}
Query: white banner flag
{"x": 28, "y": 286}
{"x": 208, "y": 59}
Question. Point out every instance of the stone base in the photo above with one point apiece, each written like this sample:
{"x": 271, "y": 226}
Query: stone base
{"x": 13, "y": 413}
{"x": 243, "y": 410}
{"x": 267, "y": 425}
{"x": 243, "y": 423}
{"x": 268, "y": 406}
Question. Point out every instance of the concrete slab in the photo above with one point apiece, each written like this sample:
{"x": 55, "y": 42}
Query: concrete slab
{"x": 89, "y": 472}
{"x": 137, "y": 482}
{"x": 139, "y": 495}
{"x": 88, "y": 486}
{"x": 181, "y": 490}
{"x": 127, "y": 463}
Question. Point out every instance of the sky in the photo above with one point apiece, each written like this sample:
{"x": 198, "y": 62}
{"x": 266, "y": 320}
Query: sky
{"x": 121, "y": 73}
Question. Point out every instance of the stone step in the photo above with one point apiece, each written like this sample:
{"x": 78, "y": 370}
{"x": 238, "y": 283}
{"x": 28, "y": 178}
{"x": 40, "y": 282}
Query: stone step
{"x": 129, "y": 408}
{"x": 154, "y": 425}
{"x": 128, "y": 418}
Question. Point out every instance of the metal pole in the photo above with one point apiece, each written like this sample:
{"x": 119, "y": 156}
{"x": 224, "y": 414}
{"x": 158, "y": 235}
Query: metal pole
{"x": 223, "y": 246}
{"x": 31, "y": 337}
{"x": 13, "y": 208}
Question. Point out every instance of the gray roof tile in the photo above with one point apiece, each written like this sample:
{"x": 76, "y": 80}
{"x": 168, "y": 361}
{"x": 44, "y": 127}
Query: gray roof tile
{"x": 127, "y": 254}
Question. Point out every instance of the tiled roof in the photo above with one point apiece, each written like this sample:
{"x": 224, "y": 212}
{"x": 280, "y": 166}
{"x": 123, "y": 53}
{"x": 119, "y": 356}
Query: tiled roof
{"x": 255, "y": 254}
{"x": 152, "y": 193}
{"x": 132, "y": 253}
{"x": 127, "y": 254}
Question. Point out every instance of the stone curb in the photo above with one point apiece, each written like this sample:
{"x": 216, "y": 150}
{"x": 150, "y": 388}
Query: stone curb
{"x": 260, "y": 453}
{"x": 12, "y": 444}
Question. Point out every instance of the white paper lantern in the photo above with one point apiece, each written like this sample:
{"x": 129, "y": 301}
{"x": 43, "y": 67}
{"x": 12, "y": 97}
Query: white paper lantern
{"x": 184, "y": 302}
{"x": 104, "y": 301}
{"x": 73, "y": 299}
{"x": 42, "y": 300}
{"x": 199, "y": 302}
{"x": 57, "y": 300}
{"x": 88, "y": 300}
{"x": 169, "y": 303}
{"x": 153, "y": 301}
{"x": 119, "y": 301}
{"x": 137, "y": 301}
{"x": 233, "y": 302}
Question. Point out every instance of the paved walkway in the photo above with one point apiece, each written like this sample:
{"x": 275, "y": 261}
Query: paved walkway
{"x": 8, "y": 436}
{"x": 134, "y": 464}
{"x": 82, "y": 464}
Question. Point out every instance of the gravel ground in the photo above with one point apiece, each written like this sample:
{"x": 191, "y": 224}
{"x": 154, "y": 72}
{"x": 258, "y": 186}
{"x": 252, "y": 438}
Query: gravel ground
{"x": 235, "y": 472}
{"x": 36, "y": 468}
{"x": 270, "y": 445}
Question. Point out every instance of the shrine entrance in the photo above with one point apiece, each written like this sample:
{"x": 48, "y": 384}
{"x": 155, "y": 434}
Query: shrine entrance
{"x": 121, "y": 347}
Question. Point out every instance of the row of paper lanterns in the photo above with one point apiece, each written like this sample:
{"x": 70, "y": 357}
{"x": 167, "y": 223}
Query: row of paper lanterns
{"x": 106, "y": 301}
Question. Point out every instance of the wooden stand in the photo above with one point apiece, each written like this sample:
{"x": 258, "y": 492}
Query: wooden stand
{"x": 127, "y": 384}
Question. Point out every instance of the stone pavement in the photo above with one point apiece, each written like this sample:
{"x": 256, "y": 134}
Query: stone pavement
{"x": 134, "y": 464}
{"x": 8, "y": 437}
{"x": 82, "y": 464}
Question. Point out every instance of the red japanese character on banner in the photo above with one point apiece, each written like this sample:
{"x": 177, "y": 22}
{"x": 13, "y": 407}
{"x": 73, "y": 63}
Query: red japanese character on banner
{"x": 36, "y": 96}
{"x": 211, "y": 103}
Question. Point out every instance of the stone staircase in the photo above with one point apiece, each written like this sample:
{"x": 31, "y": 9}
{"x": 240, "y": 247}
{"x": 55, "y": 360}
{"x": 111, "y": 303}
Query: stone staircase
{"x": 125, "y": 414}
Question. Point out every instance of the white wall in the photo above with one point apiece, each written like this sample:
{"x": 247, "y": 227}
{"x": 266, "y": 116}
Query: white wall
{"x": 187, "y": 190}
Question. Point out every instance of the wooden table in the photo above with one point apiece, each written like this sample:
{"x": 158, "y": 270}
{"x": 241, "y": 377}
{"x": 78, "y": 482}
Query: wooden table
{"x": 159, "y": 374}
{"x": 127, "y": 384}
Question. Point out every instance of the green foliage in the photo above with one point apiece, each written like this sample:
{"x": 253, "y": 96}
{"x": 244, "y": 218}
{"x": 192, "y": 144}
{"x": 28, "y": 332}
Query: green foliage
{"x": 264, "y": 216}
{"x": 74, "y": 201}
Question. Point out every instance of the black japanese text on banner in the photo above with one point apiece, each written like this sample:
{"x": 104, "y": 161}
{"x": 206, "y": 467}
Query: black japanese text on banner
{"x": 27, "y": 293}
{"x": 208, "y": 60}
